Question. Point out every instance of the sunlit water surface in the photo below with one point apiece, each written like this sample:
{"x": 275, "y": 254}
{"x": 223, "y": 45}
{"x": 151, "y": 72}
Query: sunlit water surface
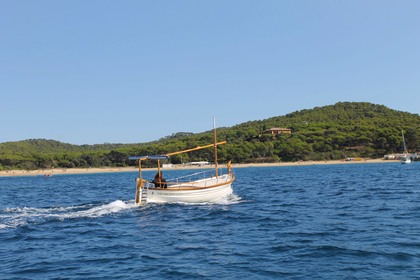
{"x": 357, "y": 221}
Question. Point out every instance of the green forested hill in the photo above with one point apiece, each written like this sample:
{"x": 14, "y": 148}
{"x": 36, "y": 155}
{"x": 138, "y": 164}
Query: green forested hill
{"x": 345, "y": 129}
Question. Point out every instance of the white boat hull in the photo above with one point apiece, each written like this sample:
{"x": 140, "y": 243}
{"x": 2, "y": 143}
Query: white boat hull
{"x": 205, "y": 190}
{"x": 406, "y": 160}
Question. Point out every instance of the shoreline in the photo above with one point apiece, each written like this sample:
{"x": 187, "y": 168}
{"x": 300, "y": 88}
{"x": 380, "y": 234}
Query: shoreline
{"x": 62, "y": 171}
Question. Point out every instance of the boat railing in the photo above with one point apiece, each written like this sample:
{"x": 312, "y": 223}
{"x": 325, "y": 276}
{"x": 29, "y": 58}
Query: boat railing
{"x": 191, "y": 180}
{"x": 192, "y": 177}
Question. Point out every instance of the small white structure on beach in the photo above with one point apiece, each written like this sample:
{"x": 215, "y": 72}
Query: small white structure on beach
{"x": 197, "y": 163}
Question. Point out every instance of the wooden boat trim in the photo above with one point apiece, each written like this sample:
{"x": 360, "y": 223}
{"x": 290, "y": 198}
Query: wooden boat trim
{"x": 195, "y": 149}
{"x": 188, "y": 188}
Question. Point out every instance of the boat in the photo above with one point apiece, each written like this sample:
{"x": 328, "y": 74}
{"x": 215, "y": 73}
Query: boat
{"x": 204, "y": 186}
{"x": 405, "y": 159}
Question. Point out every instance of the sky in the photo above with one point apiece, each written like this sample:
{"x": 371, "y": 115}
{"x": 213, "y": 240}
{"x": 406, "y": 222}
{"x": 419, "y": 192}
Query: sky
{"x": 98, "y": 71}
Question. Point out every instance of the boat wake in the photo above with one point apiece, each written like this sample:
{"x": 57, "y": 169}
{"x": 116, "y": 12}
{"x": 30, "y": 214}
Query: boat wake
{"x": 230, "y": 199}
{"x": 227, "y": 200}
{"x": 15, "y": 217}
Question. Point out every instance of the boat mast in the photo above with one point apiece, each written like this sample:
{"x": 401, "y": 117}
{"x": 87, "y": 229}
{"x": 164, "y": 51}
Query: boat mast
{"x": 405, "y": 147}
{"x": 215, "y": 146}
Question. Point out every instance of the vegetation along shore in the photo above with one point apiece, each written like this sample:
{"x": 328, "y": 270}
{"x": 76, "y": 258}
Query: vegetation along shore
{"x": 329, "y": 133}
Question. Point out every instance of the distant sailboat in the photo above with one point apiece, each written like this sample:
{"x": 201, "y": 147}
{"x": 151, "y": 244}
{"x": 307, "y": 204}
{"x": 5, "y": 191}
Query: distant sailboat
{"x": 406, "y": 158}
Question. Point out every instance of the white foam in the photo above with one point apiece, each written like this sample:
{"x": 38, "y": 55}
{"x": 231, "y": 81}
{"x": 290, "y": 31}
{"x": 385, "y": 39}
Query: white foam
{"x": 98, "y": 211}
{"x": 226, "y": 200}
{"x": 15, "y": 217}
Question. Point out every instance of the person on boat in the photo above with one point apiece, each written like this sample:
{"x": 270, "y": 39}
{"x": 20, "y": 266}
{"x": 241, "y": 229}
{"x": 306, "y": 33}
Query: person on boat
{"x": 159, "y": 181}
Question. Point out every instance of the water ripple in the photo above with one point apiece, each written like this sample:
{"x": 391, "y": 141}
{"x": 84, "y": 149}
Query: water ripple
{"x": 305, "y": 222}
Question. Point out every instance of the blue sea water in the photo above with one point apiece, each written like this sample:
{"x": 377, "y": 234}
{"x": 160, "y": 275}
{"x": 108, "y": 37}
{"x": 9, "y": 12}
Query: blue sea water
{"x": 355, "y": 221}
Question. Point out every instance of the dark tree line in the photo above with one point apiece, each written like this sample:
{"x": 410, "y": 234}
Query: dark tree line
{"x": 324, "y": 133}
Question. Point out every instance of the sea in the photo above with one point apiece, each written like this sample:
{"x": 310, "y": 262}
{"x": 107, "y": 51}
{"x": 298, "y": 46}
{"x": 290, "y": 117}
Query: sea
{"x": 338, "y": 221}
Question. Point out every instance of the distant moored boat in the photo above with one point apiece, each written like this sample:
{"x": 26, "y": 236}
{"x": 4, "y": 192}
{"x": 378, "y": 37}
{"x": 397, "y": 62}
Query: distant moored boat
{"x": 406, "y": 158}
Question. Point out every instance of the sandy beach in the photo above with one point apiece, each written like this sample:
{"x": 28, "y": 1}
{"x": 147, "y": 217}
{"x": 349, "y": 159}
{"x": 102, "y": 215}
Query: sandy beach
{"x": 55, "y": 171}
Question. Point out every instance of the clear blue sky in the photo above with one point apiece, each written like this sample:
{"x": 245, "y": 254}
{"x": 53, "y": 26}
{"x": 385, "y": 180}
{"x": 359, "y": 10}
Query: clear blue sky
{"x": 90, "y": 72}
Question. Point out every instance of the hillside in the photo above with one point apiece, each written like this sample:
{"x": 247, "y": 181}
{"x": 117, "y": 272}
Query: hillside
{"x": 345, "y": 129}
